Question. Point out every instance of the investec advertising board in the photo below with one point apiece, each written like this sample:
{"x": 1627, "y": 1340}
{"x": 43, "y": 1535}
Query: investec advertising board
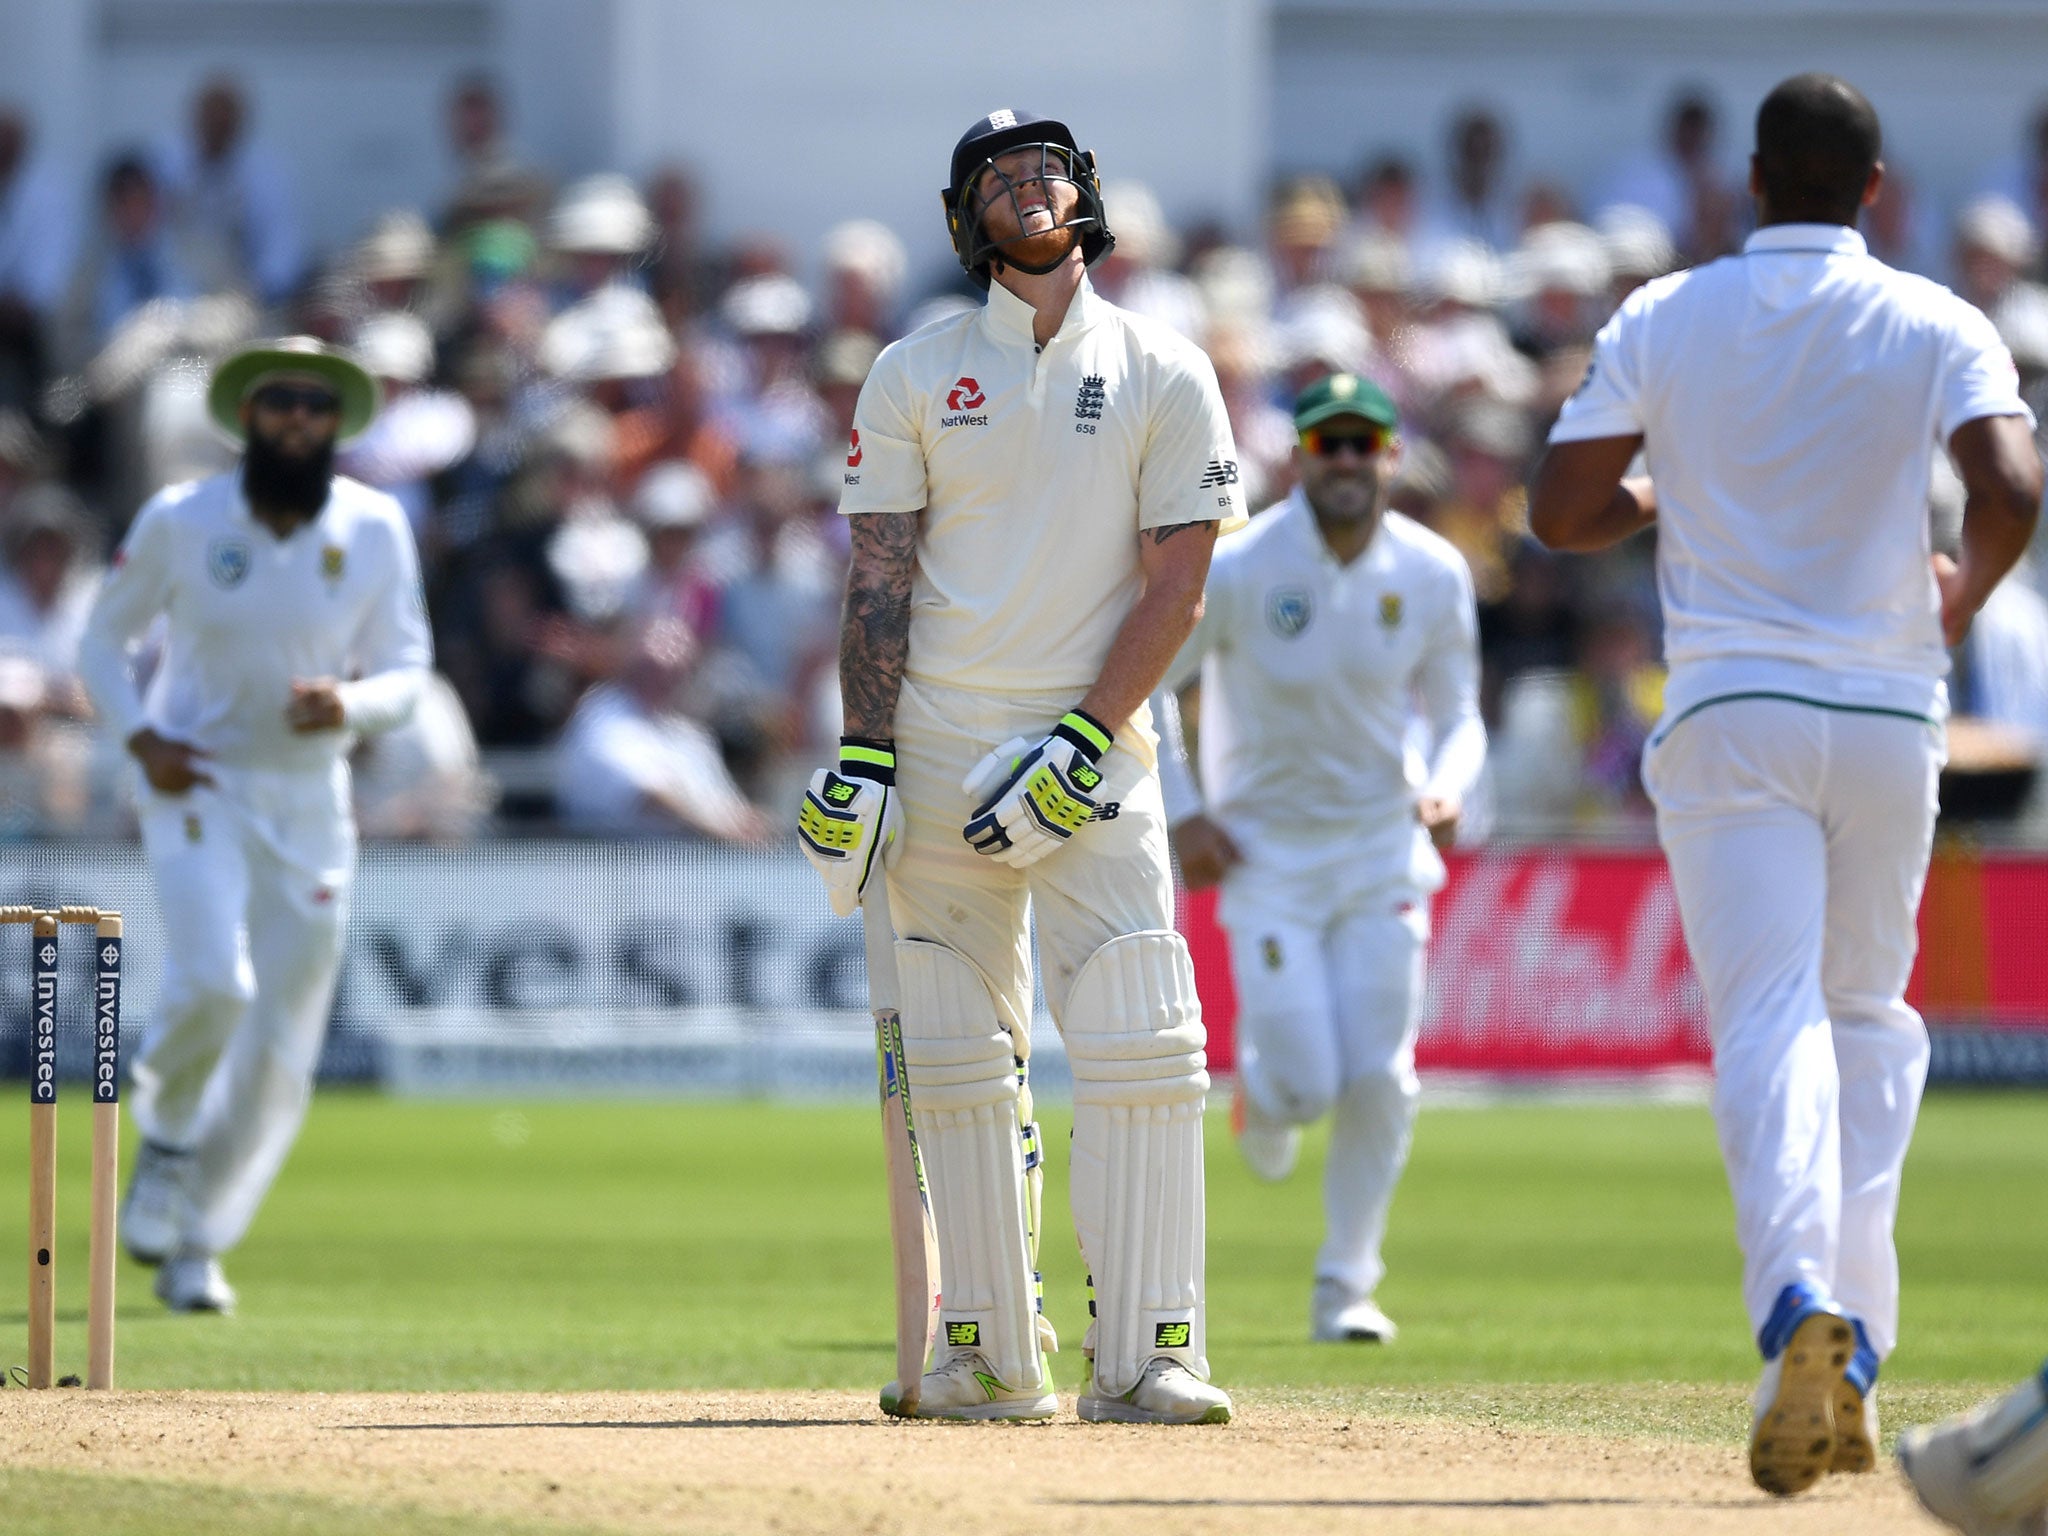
{"x": 560, "y": 966}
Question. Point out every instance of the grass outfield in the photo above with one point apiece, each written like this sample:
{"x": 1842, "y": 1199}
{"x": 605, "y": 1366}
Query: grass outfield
{"x": 559, "y": 1246}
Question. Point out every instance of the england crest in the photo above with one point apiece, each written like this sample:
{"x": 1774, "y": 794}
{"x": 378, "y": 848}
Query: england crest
{"x": 1289, "y": 611}
{"x": 1390, "y": 609}
{"x": 227, "y": 562}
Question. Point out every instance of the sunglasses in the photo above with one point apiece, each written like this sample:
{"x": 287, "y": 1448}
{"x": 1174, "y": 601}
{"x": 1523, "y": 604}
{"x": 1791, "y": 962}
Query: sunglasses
{"x": 288, "y": 397}
{"x": 1325, "y": 444}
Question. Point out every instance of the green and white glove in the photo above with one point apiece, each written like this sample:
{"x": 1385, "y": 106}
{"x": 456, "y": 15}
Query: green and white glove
{"x": 850, "y": 824}
{"x": 1031, "y": 797}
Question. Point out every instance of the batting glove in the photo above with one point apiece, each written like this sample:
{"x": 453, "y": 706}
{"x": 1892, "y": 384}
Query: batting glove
{"x": 1033, "y": 796}
{"x": 851, "y": 817}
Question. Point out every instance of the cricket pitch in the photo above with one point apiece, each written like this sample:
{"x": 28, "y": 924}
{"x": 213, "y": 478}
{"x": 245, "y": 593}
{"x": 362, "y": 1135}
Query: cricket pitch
{"x": 795, "y": 1463}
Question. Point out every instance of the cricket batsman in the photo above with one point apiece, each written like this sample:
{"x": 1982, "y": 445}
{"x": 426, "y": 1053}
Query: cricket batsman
{"x": 290, "y": 603}
{"x": 1034, "y": 491}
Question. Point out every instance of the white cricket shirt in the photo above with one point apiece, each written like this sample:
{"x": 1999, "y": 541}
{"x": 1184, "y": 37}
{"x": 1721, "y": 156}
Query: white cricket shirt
{"x": 1312, "y": 674}
{"x": 249, "y": 612}
{"x": 1036, "y": 471}
{"x": 1790, "y": 400}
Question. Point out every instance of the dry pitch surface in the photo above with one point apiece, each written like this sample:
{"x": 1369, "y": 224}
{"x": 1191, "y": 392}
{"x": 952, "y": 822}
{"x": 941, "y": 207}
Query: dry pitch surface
{"x": 793, "y": 1463}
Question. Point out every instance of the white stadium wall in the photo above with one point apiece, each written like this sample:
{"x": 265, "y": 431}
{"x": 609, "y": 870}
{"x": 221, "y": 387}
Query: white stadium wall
{"x": 797, "y": 114}
{"x": 805, "y": 112}
{"x": 1580, "y": 84}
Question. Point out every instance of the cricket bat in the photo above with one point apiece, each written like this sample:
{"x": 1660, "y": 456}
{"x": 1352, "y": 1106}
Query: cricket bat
{"x": 913, "y": 1234}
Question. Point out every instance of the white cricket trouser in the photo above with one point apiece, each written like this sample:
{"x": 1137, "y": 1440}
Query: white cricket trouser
{"x": 1112, "y": 879}
{"x": 1330, "y": 986}
{"x": 1798, "y": 839}
{"x": 252, "y": 879}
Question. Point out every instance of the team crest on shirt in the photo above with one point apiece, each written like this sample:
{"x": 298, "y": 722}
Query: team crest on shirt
{"x": 1289, "y": 611}
{"x": 1090, "y": 398}
{"x": 227, "y": 562}
{"x": 332, "y": 559}
{"x": 1269, "y": 951}
{"x": 1390, "y": 610}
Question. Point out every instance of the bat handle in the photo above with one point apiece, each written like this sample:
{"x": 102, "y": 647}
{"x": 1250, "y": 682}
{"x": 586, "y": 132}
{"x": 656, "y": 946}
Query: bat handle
{"x": 880, "y": 931}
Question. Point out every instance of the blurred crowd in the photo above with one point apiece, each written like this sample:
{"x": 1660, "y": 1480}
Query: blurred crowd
{"x": 620, "y": 443}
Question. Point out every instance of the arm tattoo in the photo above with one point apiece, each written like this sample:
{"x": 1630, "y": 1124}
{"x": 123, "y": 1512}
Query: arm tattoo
{"x": 1161, "y": 535}
{"x": 874, "y": 630}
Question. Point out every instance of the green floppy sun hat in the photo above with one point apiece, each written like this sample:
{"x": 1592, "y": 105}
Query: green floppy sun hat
{"x": 301, "y": 355}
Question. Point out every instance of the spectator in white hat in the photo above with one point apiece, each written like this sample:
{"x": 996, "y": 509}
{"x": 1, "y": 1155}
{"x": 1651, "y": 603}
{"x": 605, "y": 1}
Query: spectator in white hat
{"x": 672, "y": 505}
{"x": 1996, "y": 245}
{"x": 1638, "y": 247}
{"x": 602, "y": 232}
{"x": 768, "y": 386}
{"x": 422, "y": 431}
{"x": 1138, "y": 271}
{"x": 864, "y": 269}
{"x": 394, "y": 260}
{"x": 1557, "y": 281}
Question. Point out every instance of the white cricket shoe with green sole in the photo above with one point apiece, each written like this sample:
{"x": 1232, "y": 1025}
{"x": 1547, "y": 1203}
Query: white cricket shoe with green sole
{"x": 1167, "y": 1393}
{"x": 961, "y": 1386}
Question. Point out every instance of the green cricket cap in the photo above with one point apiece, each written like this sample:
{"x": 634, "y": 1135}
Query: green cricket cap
{"x": 1344, "y": 394}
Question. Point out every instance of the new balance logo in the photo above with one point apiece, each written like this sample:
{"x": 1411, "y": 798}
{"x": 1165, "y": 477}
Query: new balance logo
{"x": 964, "y": 1335}
{"x": 1219, "y": 472}
{"x": 1171, "y": 1335}
{"x": 1089, "y": 402}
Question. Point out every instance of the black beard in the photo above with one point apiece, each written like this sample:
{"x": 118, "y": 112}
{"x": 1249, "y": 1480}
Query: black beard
{"x": 281, "y": 482}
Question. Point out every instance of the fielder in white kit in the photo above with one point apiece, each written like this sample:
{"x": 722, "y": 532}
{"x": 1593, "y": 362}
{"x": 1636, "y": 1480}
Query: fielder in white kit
{"x": 1788, "y": 401}
{"x": 1034, "y": 490}
{"x": 1328, "y": 626}
{"x": 289, "y": 600}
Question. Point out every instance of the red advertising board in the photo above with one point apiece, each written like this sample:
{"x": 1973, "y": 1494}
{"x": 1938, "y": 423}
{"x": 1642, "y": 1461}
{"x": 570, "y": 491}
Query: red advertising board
{"x": 1555, "y": 961}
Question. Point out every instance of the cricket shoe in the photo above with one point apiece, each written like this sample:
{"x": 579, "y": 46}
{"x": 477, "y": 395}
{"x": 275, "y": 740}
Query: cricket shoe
{"x": 1986, "y": 1471}
{"x": 1792, "y": 1436}
{"x": 1856, "y": 1439}
{"x": 1340, "y": 1315}
{"x": 154, "y": 1213}
{"x": 1269, "y": 1149}
{"x": 191, "y": 1281}
{"x": 1167, "y": 1393}
{"x": 961, "y": 1385}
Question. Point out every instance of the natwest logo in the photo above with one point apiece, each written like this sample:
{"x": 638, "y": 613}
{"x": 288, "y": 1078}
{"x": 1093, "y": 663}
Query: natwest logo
{"x": 966, "y": 396}
{"x": 853, "y": 451}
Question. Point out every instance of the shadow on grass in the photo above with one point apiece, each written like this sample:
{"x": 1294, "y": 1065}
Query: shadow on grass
{"x": 623, "y": 1424}
{"x": 1505, "y": 1503}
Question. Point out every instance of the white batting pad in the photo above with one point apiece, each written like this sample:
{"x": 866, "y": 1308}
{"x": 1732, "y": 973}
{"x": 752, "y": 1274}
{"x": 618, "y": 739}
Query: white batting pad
{"x": 964, "y": 1096}
{"x": 1134, "y": 1037}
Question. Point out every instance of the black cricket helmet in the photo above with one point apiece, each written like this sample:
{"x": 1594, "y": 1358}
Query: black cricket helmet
{"x": 1060, "y": 159}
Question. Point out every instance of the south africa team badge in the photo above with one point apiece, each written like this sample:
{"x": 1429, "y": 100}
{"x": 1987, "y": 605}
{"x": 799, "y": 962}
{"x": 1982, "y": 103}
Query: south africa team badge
{"x": 1288, "y": 611}
{"x": 1390, "y": 609}
{"x": 331, "y": 562}
{"x": 227, "y": 562}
